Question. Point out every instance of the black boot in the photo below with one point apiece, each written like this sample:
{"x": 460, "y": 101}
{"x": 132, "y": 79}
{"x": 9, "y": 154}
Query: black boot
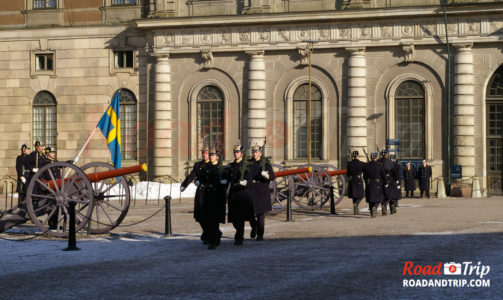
{"x": 384, "y": 210}
{"x": 392, "y": 208}
{"x": 373, "y": 212}
{"x": 355, "y": 209}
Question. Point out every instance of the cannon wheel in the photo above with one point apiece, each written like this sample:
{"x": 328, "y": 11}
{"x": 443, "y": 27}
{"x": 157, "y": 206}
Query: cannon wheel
{"x": 48, "y": 208}
{"x": 279, "y": 188}
{"x": 338, "y": 182}
{"x": 111, "y": 199}
{"x": 312, "y": 191}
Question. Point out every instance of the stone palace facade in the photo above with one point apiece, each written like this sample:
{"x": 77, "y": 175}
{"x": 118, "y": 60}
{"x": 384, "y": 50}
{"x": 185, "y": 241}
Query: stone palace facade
{"x": 427, "y": 75}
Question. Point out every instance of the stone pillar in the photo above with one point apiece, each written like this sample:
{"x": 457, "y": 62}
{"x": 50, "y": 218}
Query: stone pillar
{"x": 464, "y": 111}
{"x": 357, "y": 100}
{"x": 162, "y": 117}
{"x": 256, "y": 98}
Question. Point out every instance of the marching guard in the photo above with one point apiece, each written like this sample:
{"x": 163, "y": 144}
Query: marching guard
{"x": 356, "y": 190}
{"x": 261, "y": 174}
{"x": 240, "y": 196}
{"x": 397, "y": 195}
{"x": 374, "y": 176}
{"x": 213, "y": 209}
{"x": 390, "y": 181}
{"x": 22, "y": 173}
{"x": 195, "y": 175}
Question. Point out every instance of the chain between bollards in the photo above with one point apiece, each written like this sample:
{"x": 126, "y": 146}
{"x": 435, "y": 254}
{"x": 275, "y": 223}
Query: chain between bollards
{"x": 167, "y": 231}
{"x": 332, "y": 201}
{"x": 72, "y": 240}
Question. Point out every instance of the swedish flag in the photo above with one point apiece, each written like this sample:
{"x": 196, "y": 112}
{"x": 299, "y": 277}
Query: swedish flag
{"x": 110, "y": 126}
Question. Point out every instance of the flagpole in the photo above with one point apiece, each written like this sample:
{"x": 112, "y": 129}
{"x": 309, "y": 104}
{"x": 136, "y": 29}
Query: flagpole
{"x": 81, "y": 150}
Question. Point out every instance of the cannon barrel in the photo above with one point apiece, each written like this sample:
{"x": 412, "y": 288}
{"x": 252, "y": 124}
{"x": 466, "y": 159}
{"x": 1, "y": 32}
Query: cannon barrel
{"x": 293, "y": 172}
{"x": 330, "y": 173}
{"x": 98, "y": 176}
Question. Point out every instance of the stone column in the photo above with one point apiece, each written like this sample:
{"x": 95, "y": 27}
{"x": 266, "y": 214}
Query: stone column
{"x": 357, "y": 101}
{"x": 162, "y": 117}
{"x": 256, "y": 98}
{"x": 464, "y": 110}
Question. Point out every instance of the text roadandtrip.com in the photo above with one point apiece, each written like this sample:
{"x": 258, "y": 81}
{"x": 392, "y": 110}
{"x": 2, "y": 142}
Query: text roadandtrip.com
{"x": 466, "y": 268}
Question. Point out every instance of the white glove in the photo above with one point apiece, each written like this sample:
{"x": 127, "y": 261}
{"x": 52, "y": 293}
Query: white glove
{"x": 265, "y": 174}
{"x": 182, "y": 188}
{"x": 243, "y": 182}
{"x": 223, "y": 181}
{"x": 196, "y": 182}
{"x": 397, "y": 182}
{"x": 386, "y": 185}
{"x": 35, "y": 170}
{"x": 23, "y": 180}
{"x": 398, "y": 187}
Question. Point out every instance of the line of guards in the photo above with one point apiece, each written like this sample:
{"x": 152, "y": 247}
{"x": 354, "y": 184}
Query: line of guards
{"x": 382, "y": 182}
{"x": 248, "y": 198}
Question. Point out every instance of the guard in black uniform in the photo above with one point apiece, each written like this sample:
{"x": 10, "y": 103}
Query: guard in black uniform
{"x": 374, "y": 176}
{"x": 240, "y": 196}
{"x": 389, "y": 183}
{"x": 22, "y": 173}
{"x": 261, "y": 174}
{"x": 356, "y": 190}
{"x": 409, "y": 175}
{"x": 195, "y": 175}
{"x": 213, "y": 212}
{"x": 424, "y": 175}
{"x": 34, "y": 161}
{"x": 398, "y": 190}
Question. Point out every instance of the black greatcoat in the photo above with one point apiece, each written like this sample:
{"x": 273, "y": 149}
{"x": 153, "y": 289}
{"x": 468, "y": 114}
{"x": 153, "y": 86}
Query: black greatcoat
{"x": 32, "y": 161}
{"x": 196, "y": 174}
{"x": 390, "y": 186}
{"x": 398, "y": 171}
{"x": 261, "y": 194}
{"x": 409, "y": 179}
{"x": 213, "y": 195}
{"x": 374, "y": 176}
{"x": 240, "y": 200}
{"x": 20, "y": 172}
{"x": 424, "y": 175}
{"x": 356, "y": 190}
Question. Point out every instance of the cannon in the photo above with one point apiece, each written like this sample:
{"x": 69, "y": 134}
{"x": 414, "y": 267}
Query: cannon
{"x": 100, "y": 192}
{"x": 309, "y": 186}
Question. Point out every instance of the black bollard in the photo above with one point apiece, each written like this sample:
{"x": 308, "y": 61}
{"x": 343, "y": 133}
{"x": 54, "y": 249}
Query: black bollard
{"x": 289, "y": 207}
{"x": 167, "y": 231}
{"x": 332, "y": 201}
{"x": 72, "y": 241}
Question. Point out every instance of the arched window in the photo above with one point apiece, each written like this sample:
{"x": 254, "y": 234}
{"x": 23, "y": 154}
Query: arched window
{"x": 494, "y": 133}
{"x": 410, "y": 119}
{"x": 210, "y": 118}
{"x": 129, "y": 127}
{"x": 300, "y": 119}
{"x": 44, "y": 118}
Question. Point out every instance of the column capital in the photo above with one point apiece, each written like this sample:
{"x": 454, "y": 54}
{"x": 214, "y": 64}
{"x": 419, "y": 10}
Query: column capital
{"x": 159, "y": 54}
{"x": 355, "y": 50}
{"x": 463, "y": 46}
{"x": 255, "y": 53}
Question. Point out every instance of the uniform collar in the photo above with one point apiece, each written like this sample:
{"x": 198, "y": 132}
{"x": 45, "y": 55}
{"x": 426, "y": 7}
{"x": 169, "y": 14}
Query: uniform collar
{"x": 239, "y": 160}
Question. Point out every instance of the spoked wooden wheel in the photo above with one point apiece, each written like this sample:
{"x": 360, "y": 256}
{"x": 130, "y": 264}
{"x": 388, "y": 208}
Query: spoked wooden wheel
{"x": 48, "y": 195}
{"x": 279, "y": 188}
{"x": 312, "y": 190}
{"x": 111, "y": 199}
{"x": 338, "y": 182}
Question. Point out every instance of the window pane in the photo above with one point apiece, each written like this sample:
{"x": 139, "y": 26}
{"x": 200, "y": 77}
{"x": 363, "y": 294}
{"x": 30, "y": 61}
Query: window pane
{"x": 45, "y": 119}
{"x": 409, "y": 119}
{"x": 210, "y": 130}
{"x": 300, "y": 119}
{"x": 128, "y": 124}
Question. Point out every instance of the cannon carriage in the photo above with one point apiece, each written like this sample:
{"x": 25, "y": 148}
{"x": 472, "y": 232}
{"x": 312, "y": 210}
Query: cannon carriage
{"x": 308, "y": 186}
{"x": 99, "y": 191}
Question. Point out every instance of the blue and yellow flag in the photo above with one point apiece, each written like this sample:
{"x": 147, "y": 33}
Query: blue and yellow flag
{"x": 110, "y": 125}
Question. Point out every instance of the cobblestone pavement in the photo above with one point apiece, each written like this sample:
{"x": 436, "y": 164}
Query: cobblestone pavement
{"x": 317, "y": 255}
